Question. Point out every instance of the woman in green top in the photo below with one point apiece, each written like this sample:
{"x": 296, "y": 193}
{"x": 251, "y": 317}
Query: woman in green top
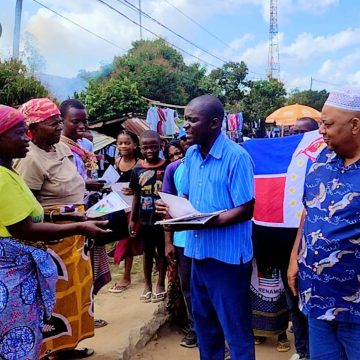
{"x": 27, "y": 272}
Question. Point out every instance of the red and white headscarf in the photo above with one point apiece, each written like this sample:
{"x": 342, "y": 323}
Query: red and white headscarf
{"x": 38, "y": 110}
{"x": 9, "y": 117}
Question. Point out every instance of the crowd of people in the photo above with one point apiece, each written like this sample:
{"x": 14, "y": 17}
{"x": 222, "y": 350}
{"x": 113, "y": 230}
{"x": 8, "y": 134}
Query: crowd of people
{"x": 53, "y": 259}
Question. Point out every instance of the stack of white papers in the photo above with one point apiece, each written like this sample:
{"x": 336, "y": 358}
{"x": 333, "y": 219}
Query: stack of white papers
{"x": 183, "y": 213}
{"x": 107, "y": 205}
{"x": 118, "y": 187}
{"x": 111, "y": 176}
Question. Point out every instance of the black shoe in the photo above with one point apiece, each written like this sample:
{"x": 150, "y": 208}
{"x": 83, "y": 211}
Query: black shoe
{"x": 190, "y": 340}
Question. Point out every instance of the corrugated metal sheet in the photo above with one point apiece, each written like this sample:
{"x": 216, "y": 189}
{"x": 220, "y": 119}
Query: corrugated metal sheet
{"x": 100, "y": 140}
{"x": 136, "y": 125}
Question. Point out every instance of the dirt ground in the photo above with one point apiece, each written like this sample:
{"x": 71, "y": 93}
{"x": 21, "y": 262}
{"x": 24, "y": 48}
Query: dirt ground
{"x": 165, "y": 346}
{"x": 125, "y": 312}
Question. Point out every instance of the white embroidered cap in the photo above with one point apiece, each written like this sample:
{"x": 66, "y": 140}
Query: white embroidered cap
{"x": 346, "y": 100}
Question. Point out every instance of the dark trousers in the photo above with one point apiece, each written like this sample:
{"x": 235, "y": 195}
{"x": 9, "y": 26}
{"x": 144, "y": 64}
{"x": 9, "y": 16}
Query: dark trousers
{"x": 272, "y": 247}
{"x": 184, "y": 268}
{"x": 220, "y": 295}
{"x": 299, "y": 320}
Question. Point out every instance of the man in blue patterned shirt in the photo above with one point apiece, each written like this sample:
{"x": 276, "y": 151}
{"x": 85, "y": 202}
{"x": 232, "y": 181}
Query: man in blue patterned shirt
{"x": 326, "y": 254}
{"x": 218, "y": 175}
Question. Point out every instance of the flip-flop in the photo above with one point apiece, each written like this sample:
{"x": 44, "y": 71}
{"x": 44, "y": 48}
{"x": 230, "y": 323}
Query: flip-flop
{"x": 146, "y": 298}
{"x": 99, "y": 323}
{"x": 157, "y": 297}
{"x": 258, "y": 340}
{"x": 117, "y": 289}
{"x": 283, "y": 346}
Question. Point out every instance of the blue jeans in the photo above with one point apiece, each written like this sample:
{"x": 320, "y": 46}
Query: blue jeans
{"x": 220, "y": 295}
{"x": 334, "y": 340}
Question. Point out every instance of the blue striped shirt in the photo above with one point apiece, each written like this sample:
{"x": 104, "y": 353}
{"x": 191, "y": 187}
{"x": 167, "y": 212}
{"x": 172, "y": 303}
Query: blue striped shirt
{"x": 223, "y": 180}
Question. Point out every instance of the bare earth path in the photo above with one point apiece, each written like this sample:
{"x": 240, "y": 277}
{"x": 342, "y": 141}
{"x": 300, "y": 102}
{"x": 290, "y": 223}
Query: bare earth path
{"x": 166, "y": 347}
{"x": 133, "y": 324}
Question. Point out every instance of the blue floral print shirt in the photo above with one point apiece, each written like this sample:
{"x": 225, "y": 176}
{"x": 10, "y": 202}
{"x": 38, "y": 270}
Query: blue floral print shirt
{"x": 329, "y": 253}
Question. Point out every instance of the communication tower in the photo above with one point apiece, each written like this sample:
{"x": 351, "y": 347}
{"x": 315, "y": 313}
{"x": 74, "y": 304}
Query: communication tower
{"x": 273, "y": 70}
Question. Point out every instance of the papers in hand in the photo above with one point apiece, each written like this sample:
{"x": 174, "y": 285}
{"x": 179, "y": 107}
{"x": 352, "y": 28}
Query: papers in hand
{"x": 118, "y": 188}
{"x": 107, "y": 205}
{"x": 183, "y": 213}
{"x": 111, "y": 176}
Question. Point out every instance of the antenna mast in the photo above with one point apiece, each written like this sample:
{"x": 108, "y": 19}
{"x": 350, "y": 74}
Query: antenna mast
{"x": 273, "y": 70}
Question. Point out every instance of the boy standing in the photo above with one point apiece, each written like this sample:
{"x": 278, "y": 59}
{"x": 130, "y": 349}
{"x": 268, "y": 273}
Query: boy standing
{"x": 146, "y": 181}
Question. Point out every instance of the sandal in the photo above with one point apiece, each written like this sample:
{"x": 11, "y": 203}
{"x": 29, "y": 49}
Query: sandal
{"x": 259, "y": 340}
{"x": 146, "y": 297}
{"x": 99, "y": 323}
{"x": 117, "y": 288}
{"x": 80, "y": 353}
{"x": 157, "y": 297}
{"x": 283, "y": 345}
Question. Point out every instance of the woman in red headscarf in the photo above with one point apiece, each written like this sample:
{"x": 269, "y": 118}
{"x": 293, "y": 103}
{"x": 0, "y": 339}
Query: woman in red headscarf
{"x": 27, "y": 272}
{"x": 50, "y": 173}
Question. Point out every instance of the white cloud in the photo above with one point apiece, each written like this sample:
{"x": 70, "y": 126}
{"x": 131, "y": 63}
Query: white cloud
{"x": 297, "y": 82}
{"x": 307, "y": 46}
{"x": 286, "y": 8}
{"x": 341, "y": 72}
{"x": 255, "y": 56}
{"x": 239, "y": 42}
{"x": 317, "y": 5}
{"x": 68, "y": 48}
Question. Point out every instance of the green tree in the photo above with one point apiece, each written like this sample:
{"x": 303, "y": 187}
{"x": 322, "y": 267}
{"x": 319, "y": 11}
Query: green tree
{"x": 159, "y": 72}
{"x": 104, "y": 72}
{"x": 193, "y": 78}
{"x": 16, "y": 85}
{"x": 228, "y": 82}
{"x": 264, "y": 97}
{"x": 312, "y": 98}
{"x": 155, "y": 67}
{"x": 109, "y": 99}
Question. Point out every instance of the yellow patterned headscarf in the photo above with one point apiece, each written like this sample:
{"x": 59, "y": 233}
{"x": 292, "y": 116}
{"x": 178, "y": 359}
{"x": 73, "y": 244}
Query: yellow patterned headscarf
{"x": 38, "y": 110}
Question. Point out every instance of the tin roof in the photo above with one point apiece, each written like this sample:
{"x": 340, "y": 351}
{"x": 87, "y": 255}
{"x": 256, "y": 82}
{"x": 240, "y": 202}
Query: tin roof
{"x": 136, "y": 125}
{"x": 101, "y": 140}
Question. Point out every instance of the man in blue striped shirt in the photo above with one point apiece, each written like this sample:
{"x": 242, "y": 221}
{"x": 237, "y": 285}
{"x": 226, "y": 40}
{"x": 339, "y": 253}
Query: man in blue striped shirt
{"x": 218, "y": 175}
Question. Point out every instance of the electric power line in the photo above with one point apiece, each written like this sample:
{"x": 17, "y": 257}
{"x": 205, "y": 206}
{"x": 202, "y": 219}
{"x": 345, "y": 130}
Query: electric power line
{"x": 135, "y": 8}
{"x": 326, "y": 82}
{"x": 212, "y": 34}
{"x": 196, "y": 23}
{"x": 78, "y": 25}
{"x": 151, "y": 32}
{"x": 134, "y": 22}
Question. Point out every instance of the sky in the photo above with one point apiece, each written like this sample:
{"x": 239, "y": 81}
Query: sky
{"x": 317, "y": 39}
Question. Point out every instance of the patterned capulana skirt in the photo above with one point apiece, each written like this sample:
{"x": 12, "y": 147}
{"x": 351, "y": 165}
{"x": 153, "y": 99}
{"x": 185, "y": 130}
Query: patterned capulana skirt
{"x": 27, "y": 293}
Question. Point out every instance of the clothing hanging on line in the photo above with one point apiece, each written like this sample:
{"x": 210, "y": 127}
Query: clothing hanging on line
{"x": 162, "y": 120}
{"x": 234, "y": 125}
{"x": 152, "y": 118}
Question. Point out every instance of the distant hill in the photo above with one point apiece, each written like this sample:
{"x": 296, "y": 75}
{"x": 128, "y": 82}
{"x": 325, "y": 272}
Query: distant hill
{"x": 61, "y": 87}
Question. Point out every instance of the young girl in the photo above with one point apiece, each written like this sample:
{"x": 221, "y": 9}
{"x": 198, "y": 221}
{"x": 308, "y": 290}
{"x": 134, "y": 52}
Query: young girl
{"x": 173, "y": 151}
{"x": 129, "y": 154}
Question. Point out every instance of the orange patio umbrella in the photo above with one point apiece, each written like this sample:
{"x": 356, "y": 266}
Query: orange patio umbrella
{"x": 287, "y": 115}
